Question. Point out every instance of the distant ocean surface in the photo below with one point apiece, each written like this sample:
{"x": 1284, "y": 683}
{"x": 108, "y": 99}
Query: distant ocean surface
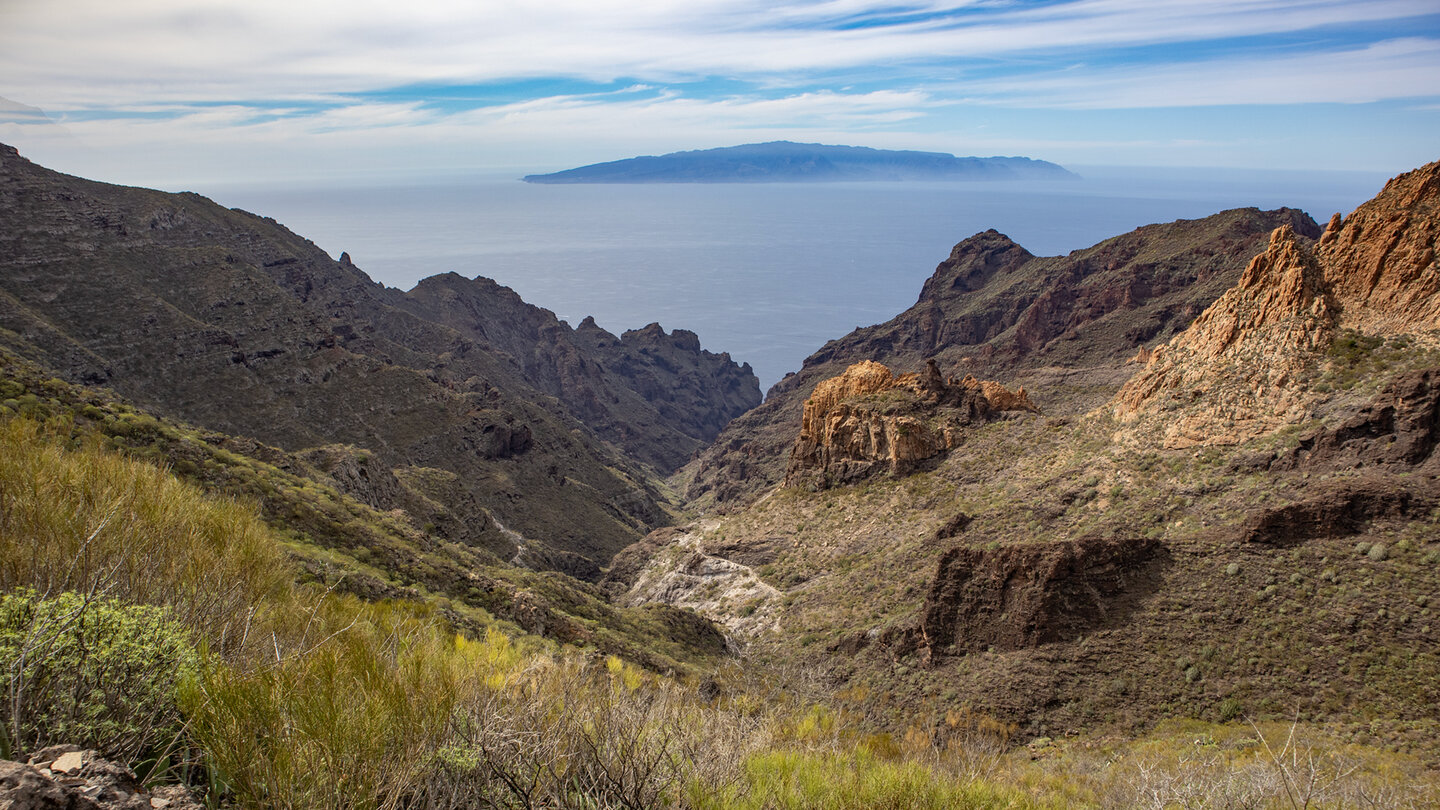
{"x": 768, "y": 273}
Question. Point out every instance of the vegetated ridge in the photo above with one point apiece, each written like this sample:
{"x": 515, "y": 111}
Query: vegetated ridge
{"x": 787, "y": 162}
{"x": 528, "y": 433}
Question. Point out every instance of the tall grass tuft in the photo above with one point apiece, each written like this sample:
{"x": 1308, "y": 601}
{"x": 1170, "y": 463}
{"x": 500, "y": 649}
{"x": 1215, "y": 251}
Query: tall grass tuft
{"x": 90, "y": 521}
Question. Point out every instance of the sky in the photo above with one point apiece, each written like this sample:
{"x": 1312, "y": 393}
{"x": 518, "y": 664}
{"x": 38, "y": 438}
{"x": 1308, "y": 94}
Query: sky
{"x": 177, "y": 94}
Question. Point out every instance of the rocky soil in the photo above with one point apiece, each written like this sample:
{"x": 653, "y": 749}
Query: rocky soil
{"x": 64, "y": 777}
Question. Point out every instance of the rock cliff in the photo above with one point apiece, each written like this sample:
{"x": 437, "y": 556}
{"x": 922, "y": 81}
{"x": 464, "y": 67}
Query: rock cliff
{"x": 867, "y": 420}
{"x": 1029, "y": 594}
{"x": 1243, "y": 358}
{"x": 1250, "y": 363}
{"x": 657, "y": 395}
{"x": 1380, "y": 262}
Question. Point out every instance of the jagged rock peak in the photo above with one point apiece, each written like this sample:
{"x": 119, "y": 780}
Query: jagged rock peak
{"x": 1380, "y": 262}
{"x": 1242, "y": 367}
{"x": 868, "y": 420}
{"x": 1233, "y": 371}
{"x": 972, "y": 263}
{"x": 1278, "y": 286}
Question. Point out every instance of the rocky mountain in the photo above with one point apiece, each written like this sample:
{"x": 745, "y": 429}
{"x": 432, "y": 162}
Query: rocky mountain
{"x": 1249, "y": 363}
{"x": 1189, "y": 474}
{"x": 1067, "y": 325}
{"x": 657, "y": 395}
{"x": 484, "y": 406}
{"x": 787, "y": 162}
{"x": 1239, "y": 523}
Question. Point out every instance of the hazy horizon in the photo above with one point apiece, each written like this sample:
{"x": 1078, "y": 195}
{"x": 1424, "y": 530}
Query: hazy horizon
{"x": 765, "y": 272}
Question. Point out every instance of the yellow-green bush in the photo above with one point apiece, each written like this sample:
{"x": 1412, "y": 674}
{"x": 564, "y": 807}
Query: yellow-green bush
{"x": 794, "y": 780}
{"x": 91, "y": 672}
{"x": 342, "y": 718}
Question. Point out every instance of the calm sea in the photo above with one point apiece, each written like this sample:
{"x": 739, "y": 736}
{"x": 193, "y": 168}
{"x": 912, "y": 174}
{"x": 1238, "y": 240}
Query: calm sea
{"x": 768, "y": 273}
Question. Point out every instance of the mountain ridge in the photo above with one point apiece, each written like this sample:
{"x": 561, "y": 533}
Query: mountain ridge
{"x": 993, "y": 309}
{"x": 228, "y": 320}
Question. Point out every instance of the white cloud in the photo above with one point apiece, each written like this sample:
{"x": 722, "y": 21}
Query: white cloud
{"x": 231, "y": 142}
{"x": 1398, "y": 69}
{"x": 100, "y": 53}
{"x": 234, "y": 88}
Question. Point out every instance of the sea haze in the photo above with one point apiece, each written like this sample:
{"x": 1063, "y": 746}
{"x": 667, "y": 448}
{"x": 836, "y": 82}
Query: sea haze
{"x": 768, "y": 272}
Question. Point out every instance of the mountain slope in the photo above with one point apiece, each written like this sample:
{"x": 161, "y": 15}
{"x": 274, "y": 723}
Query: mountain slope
{"x": 1072, "y": 572}
{"x": 658, "y": 396}
{"x": 228, "y": 320}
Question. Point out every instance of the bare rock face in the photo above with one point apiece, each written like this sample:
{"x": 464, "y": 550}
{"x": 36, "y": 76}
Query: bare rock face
{"x": 684, "y": 569}
{"x": 1238, "y": 360}
{"x": 1339, "y": 508}
{"x": 1028, "y": 594}
{"x": 867, "y": 420}
{"x": 1241, "y": 369}
{"x": 1380, "y": 262}
{"x": 1399, "y": 428}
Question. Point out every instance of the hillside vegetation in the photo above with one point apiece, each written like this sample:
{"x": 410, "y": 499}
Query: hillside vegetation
{"x": 293, "y": 695}
{"x": 1155, "y": 524}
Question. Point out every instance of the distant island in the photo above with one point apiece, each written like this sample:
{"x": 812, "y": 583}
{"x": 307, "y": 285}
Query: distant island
{"x": 787, "y": 162}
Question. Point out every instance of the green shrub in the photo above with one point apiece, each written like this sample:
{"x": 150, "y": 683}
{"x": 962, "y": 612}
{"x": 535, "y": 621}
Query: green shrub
{"x": 92, "y": 672}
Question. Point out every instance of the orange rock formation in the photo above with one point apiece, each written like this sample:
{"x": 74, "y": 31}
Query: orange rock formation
{"x": 1241, "y": 369}
{"x": 868, "y": 420}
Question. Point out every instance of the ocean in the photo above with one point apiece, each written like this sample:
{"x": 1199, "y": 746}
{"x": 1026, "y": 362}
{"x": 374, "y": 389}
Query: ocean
{"x": 766, "y": 272}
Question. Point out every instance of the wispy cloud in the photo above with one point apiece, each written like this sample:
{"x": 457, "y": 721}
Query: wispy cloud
{"x": 679, "y": 73}
{"x": 90, "y": 53}
{"x": 1395, "y": 69}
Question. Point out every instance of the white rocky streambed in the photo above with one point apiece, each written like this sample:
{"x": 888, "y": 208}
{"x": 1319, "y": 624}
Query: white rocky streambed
{"x": 728, "y": 593}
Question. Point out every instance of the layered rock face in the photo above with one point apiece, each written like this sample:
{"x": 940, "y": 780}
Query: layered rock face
{"x": 1244, "y": 367}
{"x": 1028, "y": 594}
{"x": 867, "y": 420}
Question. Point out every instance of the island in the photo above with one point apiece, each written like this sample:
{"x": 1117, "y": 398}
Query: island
{"x": 787, "y": 162}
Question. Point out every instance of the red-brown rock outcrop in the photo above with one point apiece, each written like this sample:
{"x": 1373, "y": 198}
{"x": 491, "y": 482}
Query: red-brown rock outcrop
{"x": 867, "y": 420}
{"x": 1242, "y": 369}
{"x": 1380, "y": 263}
{"x": 1240, "y": 358}
{"x": 1028, "y": 594}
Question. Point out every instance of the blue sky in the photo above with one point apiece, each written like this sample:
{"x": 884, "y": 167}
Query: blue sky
{"x": 172, "y": 94}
